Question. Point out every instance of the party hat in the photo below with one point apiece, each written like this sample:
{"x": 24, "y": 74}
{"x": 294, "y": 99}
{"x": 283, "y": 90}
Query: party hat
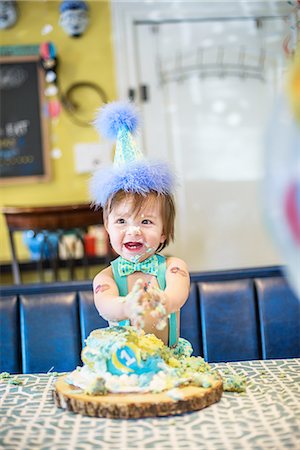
{"x": 119, "y": 121}
{"x": 130, "y": 171}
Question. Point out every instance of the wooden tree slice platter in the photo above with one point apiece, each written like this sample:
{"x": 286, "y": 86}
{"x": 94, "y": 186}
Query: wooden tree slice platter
{"x": 135, "y": 405}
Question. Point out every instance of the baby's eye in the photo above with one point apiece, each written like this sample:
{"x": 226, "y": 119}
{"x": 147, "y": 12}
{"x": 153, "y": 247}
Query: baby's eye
{"x": 120, "y": 221}
{"x": 146, "y": 222}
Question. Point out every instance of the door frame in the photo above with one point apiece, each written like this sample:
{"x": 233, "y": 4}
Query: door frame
{"x": 126, "y": 14}
{"x": 125, "y": 17}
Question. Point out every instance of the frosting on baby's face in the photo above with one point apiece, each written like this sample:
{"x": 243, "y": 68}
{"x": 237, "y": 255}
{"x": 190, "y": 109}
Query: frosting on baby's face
{"x": 136, "y": 235}
{"x": 133, "y": 229}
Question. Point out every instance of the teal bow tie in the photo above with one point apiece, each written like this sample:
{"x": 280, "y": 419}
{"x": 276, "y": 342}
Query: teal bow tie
{"x": 149, "y": 265}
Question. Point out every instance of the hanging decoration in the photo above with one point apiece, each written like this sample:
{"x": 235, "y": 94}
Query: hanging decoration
{"x": 74, "y": 17}
{"x": 49, "y": 64}
{"x": 74, "y": 101}
{"x": 282, "y": 176}
{"x": 8, "y": 13}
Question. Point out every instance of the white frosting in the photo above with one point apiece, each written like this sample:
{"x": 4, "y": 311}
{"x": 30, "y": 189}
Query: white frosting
{"x": 83, "y": 377}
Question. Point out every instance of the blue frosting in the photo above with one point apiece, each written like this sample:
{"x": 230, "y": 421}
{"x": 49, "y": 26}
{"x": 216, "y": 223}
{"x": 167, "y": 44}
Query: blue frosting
{"x": 126, "y": 361}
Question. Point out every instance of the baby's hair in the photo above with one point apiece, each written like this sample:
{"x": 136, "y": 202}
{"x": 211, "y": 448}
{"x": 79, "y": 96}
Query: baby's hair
{"x": 167, "y": 206}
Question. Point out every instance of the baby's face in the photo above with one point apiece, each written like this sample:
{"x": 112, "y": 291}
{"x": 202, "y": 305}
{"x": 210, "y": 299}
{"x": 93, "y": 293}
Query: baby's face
{"x": 136, "y": 236}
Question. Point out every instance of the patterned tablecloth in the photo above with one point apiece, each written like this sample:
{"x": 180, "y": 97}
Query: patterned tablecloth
{"x": 267, "y": 416}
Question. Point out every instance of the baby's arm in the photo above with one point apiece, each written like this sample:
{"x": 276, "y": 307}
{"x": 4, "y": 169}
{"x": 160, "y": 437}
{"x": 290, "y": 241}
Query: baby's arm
{"x": 110, "y": 305}
{"x": 177, "y": 284}
{"x": 106, "y": 296}
{"x": 177, "y": 288}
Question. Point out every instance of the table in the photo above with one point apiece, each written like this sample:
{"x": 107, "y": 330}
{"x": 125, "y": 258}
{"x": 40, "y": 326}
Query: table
{"x": 267, "y": 416}
{"x": 49, "y": 218}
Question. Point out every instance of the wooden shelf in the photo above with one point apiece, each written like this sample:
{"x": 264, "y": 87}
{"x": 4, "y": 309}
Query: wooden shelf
{"x": 51, "y": 218}
{"x": 29, "y": 266}
{"x": 63, "y": 217}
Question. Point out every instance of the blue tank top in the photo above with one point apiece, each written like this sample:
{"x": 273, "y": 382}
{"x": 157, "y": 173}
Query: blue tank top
{"x": 122, "y": 284}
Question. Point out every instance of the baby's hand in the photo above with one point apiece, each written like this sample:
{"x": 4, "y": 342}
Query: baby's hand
{"x": 134, "y": 304}
{"x": 143, "y": 298}
{"x": 156, "y": 302}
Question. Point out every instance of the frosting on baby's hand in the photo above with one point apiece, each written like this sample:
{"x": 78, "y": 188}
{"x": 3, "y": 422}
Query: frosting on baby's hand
{"x": 143, "y": 298}
{"x": 134, "y": 304}
{"x": 156, "y": 303}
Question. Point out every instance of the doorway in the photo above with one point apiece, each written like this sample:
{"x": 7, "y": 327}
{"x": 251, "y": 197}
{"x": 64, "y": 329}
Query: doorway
{"x": 205, "y": 82}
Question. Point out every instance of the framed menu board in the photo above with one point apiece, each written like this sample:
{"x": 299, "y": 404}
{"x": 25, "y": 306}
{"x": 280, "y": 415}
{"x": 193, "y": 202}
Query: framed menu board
{"x": 24, "y": 151}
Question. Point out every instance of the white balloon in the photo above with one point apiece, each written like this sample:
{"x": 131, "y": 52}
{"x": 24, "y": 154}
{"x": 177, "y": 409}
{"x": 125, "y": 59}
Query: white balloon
{"x": 50, "y": 76}
{"x": 51, "y": 90}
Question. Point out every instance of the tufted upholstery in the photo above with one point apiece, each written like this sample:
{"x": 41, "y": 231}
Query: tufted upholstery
{"x": 230, "y": 315}
{"x": 229, "y": 320}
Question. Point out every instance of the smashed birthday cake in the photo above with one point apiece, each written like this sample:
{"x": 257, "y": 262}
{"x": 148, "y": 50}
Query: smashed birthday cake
{"x": 130, "y": 374}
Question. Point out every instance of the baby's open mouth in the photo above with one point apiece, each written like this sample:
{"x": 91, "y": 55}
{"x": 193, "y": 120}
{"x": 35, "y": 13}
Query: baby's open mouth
{"x": 133, "y": 245}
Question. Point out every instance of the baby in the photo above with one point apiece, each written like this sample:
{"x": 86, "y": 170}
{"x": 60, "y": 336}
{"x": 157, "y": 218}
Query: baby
{"x": 141, "y": 287}
{"x": 138, "y": 227}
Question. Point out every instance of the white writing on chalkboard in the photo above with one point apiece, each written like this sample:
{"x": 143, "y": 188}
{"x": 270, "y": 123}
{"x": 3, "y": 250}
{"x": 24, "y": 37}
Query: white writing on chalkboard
{"x": 15, "y": 129}
{"x": 12, "y": 77}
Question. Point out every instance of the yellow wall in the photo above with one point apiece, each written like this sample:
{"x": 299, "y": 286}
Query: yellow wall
{"x": 88, "y": 58}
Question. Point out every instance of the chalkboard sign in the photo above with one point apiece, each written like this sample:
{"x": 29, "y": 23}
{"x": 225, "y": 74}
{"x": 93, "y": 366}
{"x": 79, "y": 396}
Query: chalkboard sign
{"x": 24, "y": 153}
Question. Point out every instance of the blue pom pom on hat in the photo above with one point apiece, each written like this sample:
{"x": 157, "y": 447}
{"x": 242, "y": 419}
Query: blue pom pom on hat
{"x": 115, "y": 115}
{"x": 130, "y": 171}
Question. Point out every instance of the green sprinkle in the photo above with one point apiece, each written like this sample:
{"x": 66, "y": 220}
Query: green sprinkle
{"x": 15, "y": 381}
{"x": 234, "y": 383}
{"x": 4, "y": 375}
{"x": 96, "y": 387}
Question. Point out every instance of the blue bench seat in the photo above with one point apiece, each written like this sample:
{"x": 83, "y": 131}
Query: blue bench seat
{"x": 231, "y": 315}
